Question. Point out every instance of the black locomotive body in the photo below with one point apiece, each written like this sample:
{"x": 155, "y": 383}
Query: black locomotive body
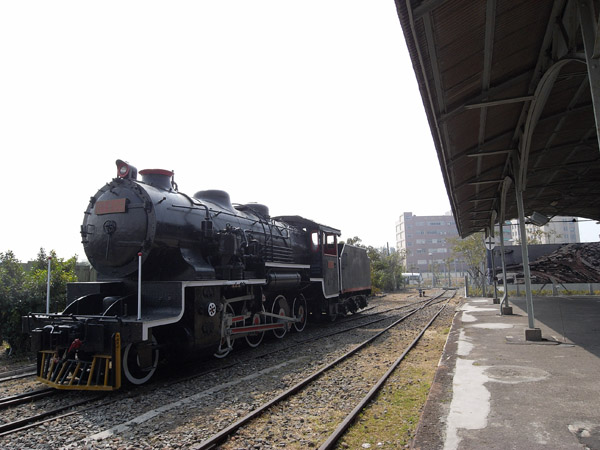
{"x": 188, "y": 274}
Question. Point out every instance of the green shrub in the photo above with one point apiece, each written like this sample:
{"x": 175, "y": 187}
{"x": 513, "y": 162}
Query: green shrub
{"x": 23, "y": 291}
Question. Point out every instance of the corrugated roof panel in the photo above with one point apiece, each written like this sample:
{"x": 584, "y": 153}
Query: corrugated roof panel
{"x": 499, "y": 119}
{"x": 461, "y": 134}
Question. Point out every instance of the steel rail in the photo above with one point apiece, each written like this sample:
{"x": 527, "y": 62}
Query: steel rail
{"x": 297, "y": 342}
{"x": 18, "y": 399}
{"x": 361, "y": 325}
{"x": 42, "y": 418}
{"x": 17, "y": 370}
{"x": 357, "y": 316}
{"x": 28, "y": 422}
{"x": 17, "y": 377}
{"x": 219, "y": 437}
{"x": 345, "y": 424}
{"x": 20, "y": 372}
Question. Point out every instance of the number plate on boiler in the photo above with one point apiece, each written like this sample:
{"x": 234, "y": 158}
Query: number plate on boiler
{"x": 117, "y": 205}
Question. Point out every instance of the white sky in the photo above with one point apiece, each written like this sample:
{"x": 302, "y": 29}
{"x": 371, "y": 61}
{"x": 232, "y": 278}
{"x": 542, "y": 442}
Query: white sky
{"x": 311, "y": 108}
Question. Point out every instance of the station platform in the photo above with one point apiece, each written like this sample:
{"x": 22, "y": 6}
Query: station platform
{"x": 495, "y": 390}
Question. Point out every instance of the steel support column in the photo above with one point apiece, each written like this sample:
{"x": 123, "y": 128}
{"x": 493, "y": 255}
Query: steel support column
{"x": 587, "y": 20}
{"x": 505, "y": 308}
{"x": 504, "y": 299}
{"x": 490, "y": 248}
{"x": 494, "y": 277}
{"x": 525, "y": 255}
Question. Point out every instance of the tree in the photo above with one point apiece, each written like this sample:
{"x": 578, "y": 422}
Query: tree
{"x": 386, "y": 270}
{"x": 62, "y": 272}
{"x": 12, "y": 278}
{"x": 356, "y": 241}
{"x": 473, "y": 252}
{"x": 22, "y": 292}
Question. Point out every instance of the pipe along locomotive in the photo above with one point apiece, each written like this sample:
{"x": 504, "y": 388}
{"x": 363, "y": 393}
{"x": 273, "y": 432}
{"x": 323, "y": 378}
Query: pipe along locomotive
{"x": 188, "y": 275}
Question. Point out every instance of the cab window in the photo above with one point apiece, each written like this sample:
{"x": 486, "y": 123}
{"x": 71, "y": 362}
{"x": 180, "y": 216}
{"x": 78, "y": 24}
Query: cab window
{"x": 315, "y": 241}
{"x": 330, "y": 244}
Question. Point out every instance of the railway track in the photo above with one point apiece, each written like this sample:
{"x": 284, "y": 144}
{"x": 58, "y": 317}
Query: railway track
{"x": 17, "y": 374}
{"x": 55, "y": 413}
{"x": 25, "y": 397}
{"x": 226, "y": 371}
{"x": 42, "y": 404}
{"x": 224, "y": 434}
{"x": 43, "y": 417}
{"x": 288, "y": 344}
{"x": 29, "y": 370}
{"x": 350, "y": 418}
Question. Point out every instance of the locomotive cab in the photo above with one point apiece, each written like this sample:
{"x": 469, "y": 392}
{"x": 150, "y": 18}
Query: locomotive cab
{"x": 325, "y": 259}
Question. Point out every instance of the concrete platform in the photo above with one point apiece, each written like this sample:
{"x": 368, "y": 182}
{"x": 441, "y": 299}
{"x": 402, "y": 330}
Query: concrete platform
{"x": 495, "y": 390}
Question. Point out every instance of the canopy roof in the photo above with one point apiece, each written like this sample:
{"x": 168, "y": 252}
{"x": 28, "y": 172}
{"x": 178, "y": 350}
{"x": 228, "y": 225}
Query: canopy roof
{"x": 506, "y": 91}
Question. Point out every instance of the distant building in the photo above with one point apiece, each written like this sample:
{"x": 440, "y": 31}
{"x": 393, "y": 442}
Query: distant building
{"x": 507, "y": 233}
{"x": 560, "y": 230}
{"x": 425, "y": 241}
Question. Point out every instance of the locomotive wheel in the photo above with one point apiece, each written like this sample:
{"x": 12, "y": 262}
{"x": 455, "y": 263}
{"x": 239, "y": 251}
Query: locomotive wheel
{"x": 300, "y": 311}
{"x": 226, "y": 343}
{"x": 352, "y": 306}
{"x": 362, "y": 301}
{"x": 281, "y": 308}
{"x": 254, "y": 339}
{"x": 131, "y": 363}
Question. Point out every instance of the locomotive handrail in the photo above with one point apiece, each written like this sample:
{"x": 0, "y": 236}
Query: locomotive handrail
{"x": 52, "y": 315}
{"x": 193, "y": 202}
{"x": 215, "y": 213}
{"x": 74, "y": 317}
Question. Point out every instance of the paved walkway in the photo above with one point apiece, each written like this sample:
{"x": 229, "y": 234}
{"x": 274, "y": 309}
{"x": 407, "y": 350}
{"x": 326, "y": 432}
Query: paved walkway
{"x": 495, "y": 390}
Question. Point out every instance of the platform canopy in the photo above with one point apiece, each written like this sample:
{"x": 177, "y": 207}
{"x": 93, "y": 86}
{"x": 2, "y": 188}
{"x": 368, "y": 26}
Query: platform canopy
{"x": 507, "y": 92}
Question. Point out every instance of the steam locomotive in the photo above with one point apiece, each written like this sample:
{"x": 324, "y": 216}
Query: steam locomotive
{"x": 188, "y": 275}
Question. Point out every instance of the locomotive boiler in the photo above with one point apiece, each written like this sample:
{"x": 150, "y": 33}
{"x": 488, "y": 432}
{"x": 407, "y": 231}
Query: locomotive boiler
{"x": 187, "y": 275}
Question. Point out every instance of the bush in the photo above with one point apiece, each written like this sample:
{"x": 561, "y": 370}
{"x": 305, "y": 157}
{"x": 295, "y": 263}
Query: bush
{"x": 386, "y": 271}
{"x": 386, "y": 268}
{"x": 23, "y": 291}
{"x": 12, "y": 299}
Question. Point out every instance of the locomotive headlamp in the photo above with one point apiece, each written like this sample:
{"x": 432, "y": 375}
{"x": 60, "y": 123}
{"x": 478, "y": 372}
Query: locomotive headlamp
{"x": 126, "y": 170}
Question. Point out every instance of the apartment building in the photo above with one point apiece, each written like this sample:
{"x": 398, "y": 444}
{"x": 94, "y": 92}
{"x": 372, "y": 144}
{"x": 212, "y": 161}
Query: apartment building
{"x": 559, "y": 230}
{"x": 425, "y": 241}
